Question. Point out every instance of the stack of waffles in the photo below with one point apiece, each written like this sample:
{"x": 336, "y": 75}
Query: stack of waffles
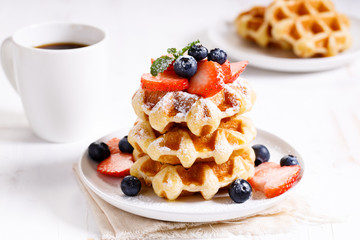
{"x": 184, "y": 143}
{"x": 311, "y": 28}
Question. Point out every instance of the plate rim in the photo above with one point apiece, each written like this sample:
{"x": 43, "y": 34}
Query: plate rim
{"x": 140, "y": 209}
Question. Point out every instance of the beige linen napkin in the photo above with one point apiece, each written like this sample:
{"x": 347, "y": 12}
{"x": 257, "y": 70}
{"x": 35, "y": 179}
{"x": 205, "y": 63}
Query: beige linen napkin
{"x": 117, "y": 224}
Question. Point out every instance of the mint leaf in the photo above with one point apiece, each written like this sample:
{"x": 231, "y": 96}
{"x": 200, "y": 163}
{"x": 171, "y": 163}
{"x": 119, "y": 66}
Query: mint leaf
{"x": 172, "y": 51}
{"x": 188, "y": 47}
{"x": 160, "y": 65}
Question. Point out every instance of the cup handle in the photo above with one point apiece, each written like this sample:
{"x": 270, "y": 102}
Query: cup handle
{"x": 7, "y": 61}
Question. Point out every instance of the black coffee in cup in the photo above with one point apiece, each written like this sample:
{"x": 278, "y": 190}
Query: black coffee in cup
{"x": 61, "y": 46}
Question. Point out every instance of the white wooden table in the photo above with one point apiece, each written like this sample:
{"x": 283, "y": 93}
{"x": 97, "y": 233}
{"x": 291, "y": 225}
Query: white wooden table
{"x": 319, "y": 113}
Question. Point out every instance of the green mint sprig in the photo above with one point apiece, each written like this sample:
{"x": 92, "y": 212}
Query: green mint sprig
{"x": 160, "y": 65}
{"x": 163, "y": 62}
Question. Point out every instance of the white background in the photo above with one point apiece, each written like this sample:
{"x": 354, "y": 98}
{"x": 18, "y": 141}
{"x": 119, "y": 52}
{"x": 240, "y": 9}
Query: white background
{"x": 316, "y": 112}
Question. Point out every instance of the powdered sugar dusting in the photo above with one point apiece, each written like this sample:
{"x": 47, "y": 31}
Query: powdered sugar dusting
{"x": 183, "y": 102}
{"x": 164, "y": 103}
{"x": 160, "y": 146}
{"x": 220, "y": 148}
{"x": 164, "y": 149}
{"x": 140, "y": 133}
{"x": 245, "y": 89}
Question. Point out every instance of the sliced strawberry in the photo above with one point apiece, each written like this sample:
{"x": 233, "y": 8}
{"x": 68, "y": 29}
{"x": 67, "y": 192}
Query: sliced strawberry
{"x": 170, "y": 68}
{"x": 272, "y": 179}
{"x": 266, "y": 165}
{"x": 226, "y": 69}
{"x": 163, "y": 82}
{"x": 283, "y": 181}
{"x": 117, "y": 165}
{"x": 113, "y": 145}
{"x": 208, "y": 80}
{"x": 236, "y": 69}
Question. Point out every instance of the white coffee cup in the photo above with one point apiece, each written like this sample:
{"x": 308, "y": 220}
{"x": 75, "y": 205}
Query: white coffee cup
{"x": 61, "y": 90}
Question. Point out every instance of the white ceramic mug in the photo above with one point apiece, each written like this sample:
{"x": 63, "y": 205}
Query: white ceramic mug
{"x": 60, "y": 90}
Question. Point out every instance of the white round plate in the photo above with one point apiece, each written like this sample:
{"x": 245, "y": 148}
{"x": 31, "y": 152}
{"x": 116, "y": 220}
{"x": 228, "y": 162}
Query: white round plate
{"x": 185, "y": 209}
{"x": 224, "y": 36}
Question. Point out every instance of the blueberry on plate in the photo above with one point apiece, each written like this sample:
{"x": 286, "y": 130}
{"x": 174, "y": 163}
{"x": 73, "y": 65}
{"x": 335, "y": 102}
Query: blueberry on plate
{"x": 185, "y": 66}
{"x": 130, "y": 186}
{"x": 240, "y": 190}
{"x": 288, "y": 160}
{"x": 125, "y": 146}
{"x": 217, "y": 55}
{"x": 262, "y": 154}
{"x": 98, "y": 151}
{"x": 198, "y": 51}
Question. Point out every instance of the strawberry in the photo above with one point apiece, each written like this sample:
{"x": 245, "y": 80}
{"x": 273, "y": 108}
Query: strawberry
{"x": 272, "y": 179}
{"x": 236, "y": 69}
{"x": 113, "y": 145}
{"x": 164, "y": 82}
{"x": 266, "y": 166}
{"x": 226, "y": 69}
{"x": 208, "y": 80}
{"x": 117, "y": 165}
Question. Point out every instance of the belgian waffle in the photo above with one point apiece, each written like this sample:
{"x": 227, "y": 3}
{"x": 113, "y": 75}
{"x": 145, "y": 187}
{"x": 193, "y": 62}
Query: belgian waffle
{"x": 312, "y": 27}
{"x": 252, "y": 25}
{"x": 180, "y": 146}
{"x": 172, "y": 181}
{"x": 201, "y": 115}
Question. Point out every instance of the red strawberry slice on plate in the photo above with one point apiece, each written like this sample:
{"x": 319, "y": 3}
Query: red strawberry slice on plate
{"x": 117, "y": 165}
{"x": 272, "y": 179}
{"x": 236, "y": 69}
{"x": 265, "y": 166}
{"x": 208, "y": 80}
{"x": 164, "y": 82}
{"x": 113, "y": 145}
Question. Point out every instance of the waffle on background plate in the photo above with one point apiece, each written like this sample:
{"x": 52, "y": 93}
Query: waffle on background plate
{"x": 310, "y": 28}
{"x": 184, "y": 143}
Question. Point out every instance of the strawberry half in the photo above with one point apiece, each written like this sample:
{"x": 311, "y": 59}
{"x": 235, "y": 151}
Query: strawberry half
{"x": 113, "y": 145}
{"x": 164, "y": 82}
{"x": 272, "y": 179}
{"x": 117, "y": 165}
{"x": 208, "y": 80}
{"x": 236, "y": 69}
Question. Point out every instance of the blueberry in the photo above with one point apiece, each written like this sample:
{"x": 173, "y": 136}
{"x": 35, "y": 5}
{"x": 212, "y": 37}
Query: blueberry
{"x": 125, "y": 146}
{"x": 130, "y": 186}
{"x": 262, "y": 154}
{"x": 288, "y": 160}
{"x": 198, "y": 51}
{"x": 240, "y": 190}
{"x": 217, "y": 55}
{"x": 99, "y": 151}
{"x": 185, "y": 66}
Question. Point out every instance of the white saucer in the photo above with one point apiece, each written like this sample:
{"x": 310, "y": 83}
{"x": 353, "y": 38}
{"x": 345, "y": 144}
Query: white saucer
{"x": 223, "y": 35}
{"x": 185, "y": 209}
